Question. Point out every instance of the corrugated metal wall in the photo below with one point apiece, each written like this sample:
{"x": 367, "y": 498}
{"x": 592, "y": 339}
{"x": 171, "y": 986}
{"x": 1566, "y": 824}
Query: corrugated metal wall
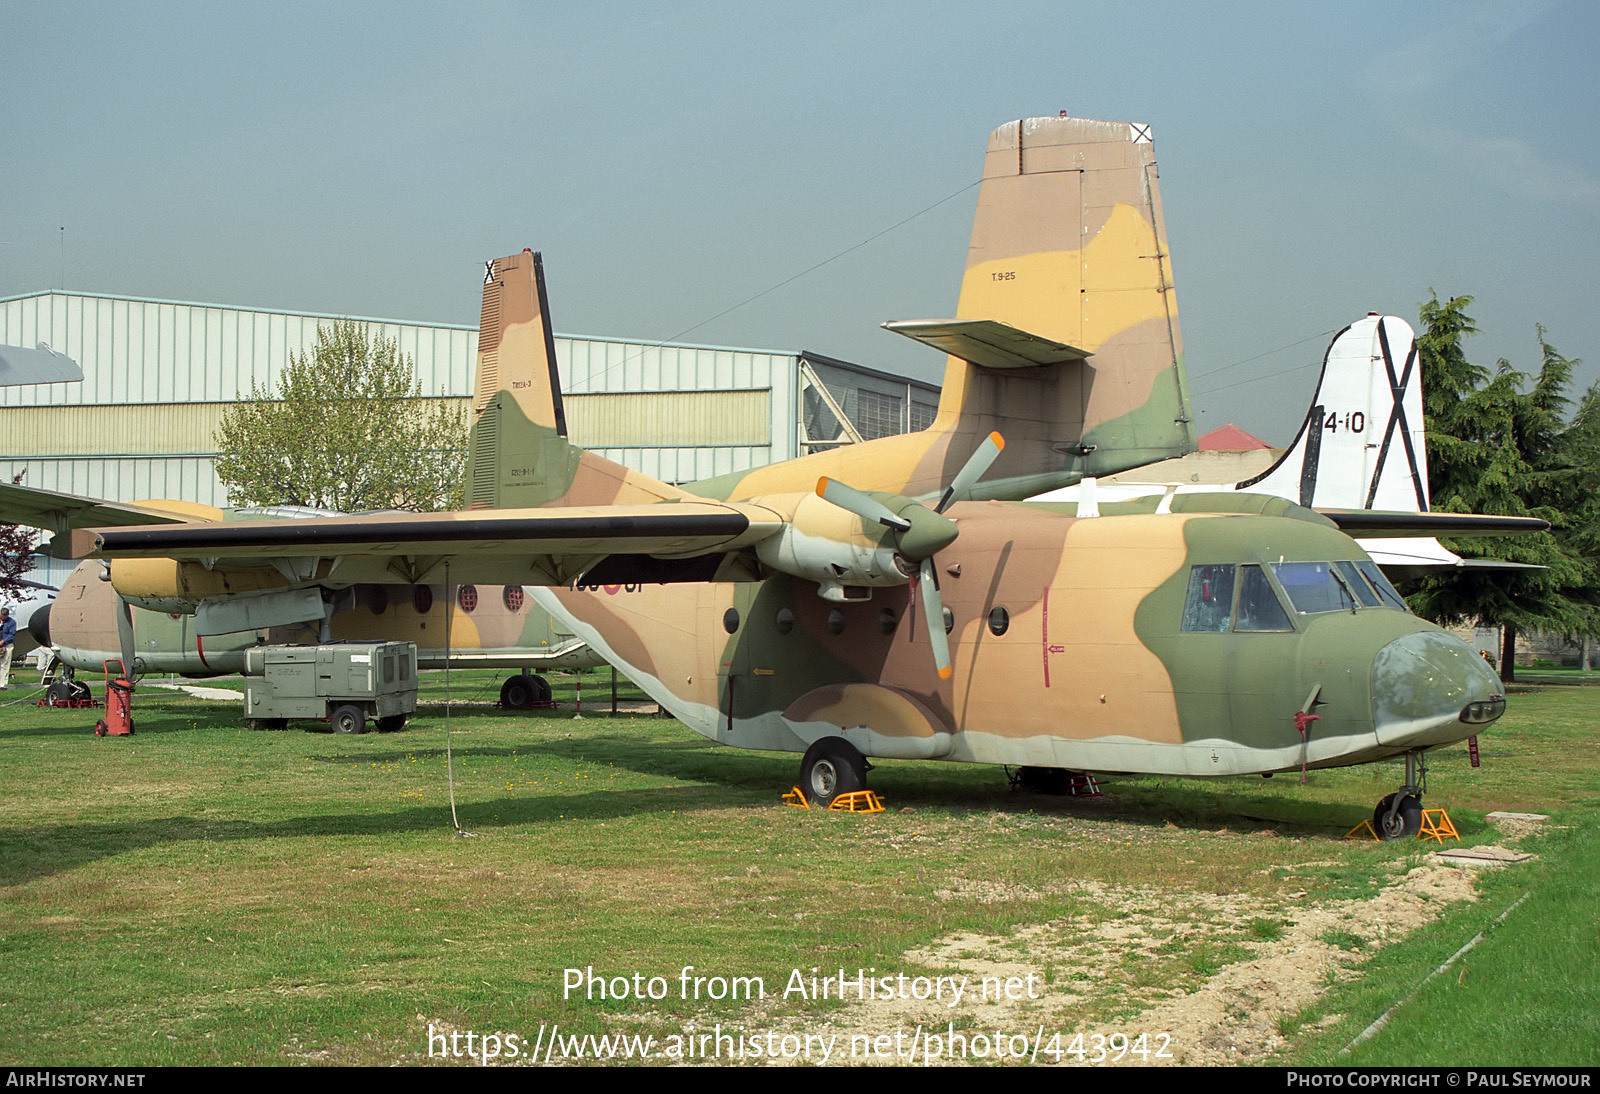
{"x": 159, "y": 374}
{"x": 153, "y": 351}
{"x": 735, "y": 433}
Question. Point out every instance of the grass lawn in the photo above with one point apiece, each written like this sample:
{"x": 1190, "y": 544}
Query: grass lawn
{"x": 203, "y": 894}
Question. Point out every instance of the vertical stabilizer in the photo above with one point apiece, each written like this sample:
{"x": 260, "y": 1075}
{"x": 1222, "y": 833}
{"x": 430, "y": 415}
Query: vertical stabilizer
{"x": 520, "y": 456}
{"x": 515, "y": 328}
{"x": 1361, "y": 445}
{"x": 1066, "y": 339}
{"x": 1069, "y": 245}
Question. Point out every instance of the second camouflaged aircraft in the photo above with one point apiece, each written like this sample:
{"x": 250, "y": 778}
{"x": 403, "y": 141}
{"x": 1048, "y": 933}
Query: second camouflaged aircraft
{"x": 862, "y": 603}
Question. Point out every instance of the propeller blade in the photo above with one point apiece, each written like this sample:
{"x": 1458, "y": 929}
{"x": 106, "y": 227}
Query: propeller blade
{"x": 933, "y": 612}
{"x": 977, "y": 464}
{"x": 125, "y": 635}
{"x": 862, "y": 505}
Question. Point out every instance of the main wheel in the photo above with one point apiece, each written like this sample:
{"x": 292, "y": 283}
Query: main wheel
{"x": 517, "y": 692}
{"x": 831, "y": 767}
{"x": 1045, "y": 780}
{"x": 348, "y": 718}
{"x": 1398, "y": 823}
{"x": 392, "y": 724}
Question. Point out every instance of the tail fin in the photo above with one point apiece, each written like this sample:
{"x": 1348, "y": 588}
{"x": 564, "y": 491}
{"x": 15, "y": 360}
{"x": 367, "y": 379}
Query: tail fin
{"x": 520, "y": 456}
{"x": 1069, "y": 251}
{"x": 1361, "y": 444}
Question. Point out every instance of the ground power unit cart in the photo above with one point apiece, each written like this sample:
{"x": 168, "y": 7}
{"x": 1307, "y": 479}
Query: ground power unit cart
{"x": 353, "y": 686}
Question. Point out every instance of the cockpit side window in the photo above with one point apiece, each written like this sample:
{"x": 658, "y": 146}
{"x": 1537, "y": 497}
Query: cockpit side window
{"x": 1390, "y": 595}
{"x": 1312, "y": 587}
{"x": 1259, "y": 609}
{"x": 1209, "y": 605}
{"x": 1358, "y": 584}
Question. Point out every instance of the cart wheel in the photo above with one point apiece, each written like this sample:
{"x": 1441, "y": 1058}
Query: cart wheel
{"x": 348, "y": 718}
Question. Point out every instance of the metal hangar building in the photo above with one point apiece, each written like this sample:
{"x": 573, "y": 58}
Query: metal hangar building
{"x": 158, "y": 375}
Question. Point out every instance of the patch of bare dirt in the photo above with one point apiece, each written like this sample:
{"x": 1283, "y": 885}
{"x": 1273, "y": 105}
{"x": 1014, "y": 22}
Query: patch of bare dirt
{"x": 1170, "y": 958}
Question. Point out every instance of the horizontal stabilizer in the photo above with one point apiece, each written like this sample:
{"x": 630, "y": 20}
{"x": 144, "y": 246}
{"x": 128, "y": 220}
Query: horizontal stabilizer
{"x": 987, "y": 342}
{"x": 20, "y": 365}
{"x": 58, "y": 513}
{"x": 1370, "y": 524}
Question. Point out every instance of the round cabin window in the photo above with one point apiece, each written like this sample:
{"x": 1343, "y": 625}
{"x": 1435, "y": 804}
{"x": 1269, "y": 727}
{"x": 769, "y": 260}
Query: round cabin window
{"x": 999, "y": 620}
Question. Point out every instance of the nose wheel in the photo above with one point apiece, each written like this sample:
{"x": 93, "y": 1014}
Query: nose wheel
{"x": 1399, "y": 815}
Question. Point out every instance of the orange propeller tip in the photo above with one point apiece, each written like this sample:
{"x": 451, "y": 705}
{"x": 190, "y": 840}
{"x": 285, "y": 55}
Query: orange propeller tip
{"x": 944, "y": 673}
{"x": 822, "y": 485}
{"x": 999, "y": 441}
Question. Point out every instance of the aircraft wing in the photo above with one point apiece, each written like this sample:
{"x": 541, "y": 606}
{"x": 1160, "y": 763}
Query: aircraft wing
{"x": 662, "y": 542}
{"x": 59, "y": 513}
{"x": 1373, "y": 524}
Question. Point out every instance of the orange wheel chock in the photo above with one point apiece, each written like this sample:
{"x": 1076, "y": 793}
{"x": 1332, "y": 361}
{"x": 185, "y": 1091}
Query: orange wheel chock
{"x": 858, "y": 801}
{"x": 1364, "y": 826}
{"x": 1436, "y": 825}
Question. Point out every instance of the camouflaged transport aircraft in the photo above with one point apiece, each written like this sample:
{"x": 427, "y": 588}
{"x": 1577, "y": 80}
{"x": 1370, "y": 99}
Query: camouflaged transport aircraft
{"x": 87, "y": 624}
{"x": 883, "y": 600}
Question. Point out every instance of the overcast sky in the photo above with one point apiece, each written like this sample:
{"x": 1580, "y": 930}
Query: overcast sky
{"x": 674, "y": 160}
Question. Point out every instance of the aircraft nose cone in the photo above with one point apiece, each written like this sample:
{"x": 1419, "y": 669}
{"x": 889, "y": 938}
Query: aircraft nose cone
{"x": 1431, "y": 688}
{"x": 39, "y": 625}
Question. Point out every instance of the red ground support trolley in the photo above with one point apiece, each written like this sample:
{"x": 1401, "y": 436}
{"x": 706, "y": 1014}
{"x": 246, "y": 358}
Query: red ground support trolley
{"x": 118, "y": 721}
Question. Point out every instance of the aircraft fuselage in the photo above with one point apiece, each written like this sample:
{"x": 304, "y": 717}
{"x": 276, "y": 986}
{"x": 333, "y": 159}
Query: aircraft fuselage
{"x": 1112, "y": 644}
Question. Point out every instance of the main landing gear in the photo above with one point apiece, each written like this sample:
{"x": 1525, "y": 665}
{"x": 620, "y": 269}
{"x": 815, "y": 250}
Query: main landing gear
{"x": 1399, "y": 815}
{"x": 831, "y": 766}
{"x": 524, "y": 692}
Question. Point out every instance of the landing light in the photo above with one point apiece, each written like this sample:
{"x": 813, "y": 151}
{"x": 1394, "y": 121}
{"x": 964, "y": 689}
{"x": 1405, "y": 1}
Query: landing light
{"x": 1483, "y": 711}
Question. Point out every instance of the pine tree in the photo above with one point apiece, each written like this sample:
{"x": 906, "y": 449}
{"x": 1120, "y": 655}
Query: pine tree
{"x": 1496, "y": 448}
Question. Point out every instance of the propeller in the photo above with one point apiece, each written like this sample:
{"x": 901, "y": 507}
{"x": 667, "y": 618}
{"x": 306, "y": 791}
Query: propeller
{"x": 974, "y": 469}
{"x": 124, "y": 614}
{"x": 920, "y": 533}
{"x": 125, "y": 635}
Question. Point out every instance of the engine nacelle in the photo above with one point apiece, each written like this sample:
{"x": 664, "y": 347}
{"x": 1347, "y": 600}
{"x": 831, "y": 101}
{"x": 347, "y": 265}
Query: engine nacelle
{"x": 166, "y": 585}
{"x": 833, "y": 547}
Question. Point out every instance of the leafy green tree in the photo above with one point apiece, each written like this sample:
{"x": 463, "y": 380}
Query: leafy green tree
{"x": 17, "y": 545}
{"x": 347, "y": 430}
{"x": 1498, "y": 446}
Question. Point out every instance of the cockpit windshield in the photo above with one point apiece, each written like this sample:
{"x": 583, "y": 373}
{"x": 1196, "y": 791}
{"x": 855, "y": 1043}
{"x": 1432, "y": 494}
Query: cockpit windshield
{"x": 1314, "y": 587}
{"x": 1225, "y": 597}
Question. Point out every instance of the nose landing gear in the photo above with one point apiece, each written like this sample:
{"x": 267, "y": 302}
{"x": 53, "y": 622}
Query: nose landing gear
{"x": 1399, "y": 815}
